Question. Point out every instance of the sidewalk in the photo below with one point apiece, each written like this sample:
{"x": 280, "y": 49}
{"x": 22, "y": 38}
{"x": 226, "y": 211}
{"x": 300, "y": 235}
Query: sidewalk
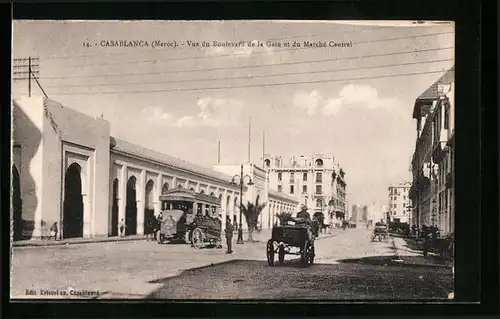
{"x": 73, "y": 241}
{"x": 407, "y": 254}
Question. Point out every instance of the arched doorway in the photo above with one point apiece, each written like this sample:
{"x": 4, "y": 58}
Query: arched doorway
{"x": 236, "y": 207}
{"x": 131, "y": 208}
{"x": 17, "y": 205}
{"x": 149, "y": 212}
{"x": 73, "y": 203}
{"x": 114, "y": 209}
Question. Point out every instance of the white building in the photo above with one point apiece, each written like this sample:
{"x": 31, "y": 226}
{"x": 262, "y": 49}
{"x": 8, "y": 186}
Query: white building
{"x": 316, "y": 181}
{"x": 67, "y": 169}
{"x": 399, "y": 202}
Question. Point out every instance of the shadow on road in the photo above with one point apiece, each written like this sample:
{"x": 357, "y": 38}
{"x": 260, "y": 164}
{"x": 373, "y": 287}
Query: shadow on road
{"x": 407, "y": 261}
{"x": 252, "y": 279}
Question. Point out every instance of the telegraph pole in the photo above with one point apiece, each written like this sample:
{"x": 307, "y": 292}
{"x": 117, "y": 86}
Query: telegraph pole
{"x": 23, "y": 71}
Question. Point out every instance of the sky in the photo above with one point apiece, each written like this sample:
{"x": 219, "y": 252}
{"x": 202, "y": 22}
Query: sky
{"x": 353, "y": 102}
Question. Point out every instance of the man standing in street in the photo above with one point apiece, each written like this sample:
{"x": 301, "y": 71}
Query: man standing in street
{"x": 229, "y": 235}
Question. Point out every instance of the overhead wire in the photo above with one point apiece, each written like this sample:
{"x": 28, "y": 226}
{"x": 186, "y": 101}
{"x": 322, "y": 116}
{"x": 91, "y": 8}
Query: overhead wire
{"x": 249, "y": 86}
{"x": 249, "y": 77}
{"x": 247, "y": 66}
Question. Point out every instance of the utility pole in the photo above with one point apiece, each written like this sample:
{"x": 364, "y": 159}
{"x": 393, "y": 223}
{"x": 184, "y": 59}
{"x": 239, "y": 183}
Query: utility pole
{"x": 23, "y": 71}
{"x": 218, "y": 153}
{"x": 249, "y": 138}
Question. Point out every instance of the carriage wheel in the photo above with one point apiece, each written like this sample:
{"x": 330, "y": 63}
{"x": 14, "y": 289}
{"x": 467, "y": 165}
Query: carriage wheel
{"x": 270, "y": 252}
{"x": 306, "y": 252}
{"x": 198, "y": 238}
{"x": 311, "y": 255}
{"x": 187, "y": 236}
{"x": 281, "y": 254}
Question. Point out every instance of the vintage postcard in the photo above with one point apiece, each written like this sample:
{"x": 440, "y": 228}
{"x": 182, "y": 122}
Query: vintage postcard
{"x": 233, "y": 160}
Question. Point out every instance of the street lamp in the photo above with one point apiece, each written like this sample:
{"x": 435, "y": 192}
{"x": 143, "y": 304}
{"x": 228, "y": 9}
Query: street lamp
{"x": 250, "y": 183}
{"x": 433, "y": 212}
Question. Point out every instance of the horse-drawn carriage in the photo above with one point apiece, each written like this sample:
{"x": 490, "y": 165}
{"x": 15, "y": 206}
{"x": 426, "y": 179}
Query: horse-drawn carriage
{"x": 191, "y": 217}
{"x": 380, "y": 232}
{"x": 294, "y": 236}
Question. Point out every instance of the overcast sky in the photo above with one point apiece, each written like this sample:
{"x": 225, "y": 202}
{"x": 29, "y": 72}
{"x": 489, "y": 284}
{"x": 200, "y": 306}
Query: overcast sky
{"x": 160, "y": 97}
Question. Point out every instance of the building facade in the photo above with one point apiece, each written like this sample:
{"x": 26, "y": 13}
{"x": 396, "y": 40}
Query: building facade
{"x": 67, "y": 169}
{"x": 432, "y": 190}
{"x": 316, "y": 181}
{"x": 399, "y": 203}
{"x": 275, "y": 202}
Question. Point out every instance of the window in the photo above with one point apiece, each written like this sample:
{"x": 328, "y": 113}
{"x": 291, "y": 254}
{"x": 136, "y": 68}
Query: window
{"x": 304, "y": 189}
{"x": 267, "y": 163}
{"x": 291, "y": 189}
{"x": 280, "y": 188}
{"x": 304, "y": 177}
{"x": 279, "y": 176}
{"x": 395, "y": 205}
{"x": 319, "y": 177}
{"x": 292, "y": 175}
{"x": 404, "y": 197}
{"x": 318, "y": 203}
{"x": 318, "y": 189}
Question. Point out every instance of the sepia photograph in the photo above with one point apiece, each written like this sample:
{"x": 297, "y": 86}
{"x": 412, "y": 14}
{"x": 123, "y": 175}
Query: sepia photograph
{"x": 233, "y": 160}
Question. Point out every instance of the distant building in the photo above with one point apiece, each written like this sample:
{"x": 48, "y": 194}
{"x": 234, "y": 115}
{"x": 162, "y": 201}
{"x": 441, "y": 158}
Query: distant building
{"x": 317, "y": 181}
{"x": 399, "y": 202}
{"x": 433, "y": 162}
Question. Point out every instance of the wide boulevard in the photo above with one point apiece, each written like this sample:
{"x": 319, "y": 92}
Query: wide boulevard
{"x": 347, "y": 266}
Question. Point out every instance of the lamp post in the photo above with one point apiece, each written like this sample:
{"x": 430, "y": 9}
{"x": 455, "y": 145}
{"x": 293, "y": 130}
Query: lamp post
{"x": 433, "y": 216}
{"x": 240, "y": 228}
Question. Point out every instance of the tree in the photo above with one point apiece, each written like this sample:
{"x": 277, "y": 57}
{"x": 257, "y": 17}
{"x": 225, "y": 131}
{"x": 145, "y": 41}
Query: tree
{"x": 252, "y": 212}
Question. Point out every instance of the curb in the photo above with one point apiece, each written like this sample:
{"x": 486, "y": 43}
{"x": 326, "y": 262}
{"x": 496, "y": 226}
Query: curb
{"x": 62, "y": 243}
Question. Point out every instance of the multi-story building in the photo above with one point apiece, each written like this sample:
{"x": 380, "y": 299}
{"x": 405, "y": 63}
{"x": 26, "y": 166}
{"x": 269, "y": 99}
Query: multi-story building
{"x": 399, "y": 202}
{"x": 317, "y": 181}
{"x": 433, "y": 159}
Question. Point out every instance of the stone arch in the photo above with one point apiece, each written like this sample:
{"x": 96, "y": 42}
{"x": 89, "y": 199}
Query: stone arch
{"x": 114, "y": 208}
{"x": 191, "y": 189}
{"x": 17, "y": 205}
{"x": 212, "y": 194}
{"x": 73, "y": 202}
{"x": 235, "y": 215}
{"x": 131, "y": 207}
{"x": 267, "y": 163}
{"x": 202, "y": 192}
{"x": 319, "y": 162}
{"x": 149, "y": 211}
{"x": 164, "y": 188}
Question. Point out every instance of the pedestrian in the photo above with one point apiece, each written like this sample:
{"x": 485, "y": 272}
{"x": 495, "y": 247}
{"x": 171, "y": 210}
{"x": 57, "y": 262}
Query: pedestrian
{"x": 122, "y": 228}
{"x": 229, "y": 236}
{"x": 53, "y": 231}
